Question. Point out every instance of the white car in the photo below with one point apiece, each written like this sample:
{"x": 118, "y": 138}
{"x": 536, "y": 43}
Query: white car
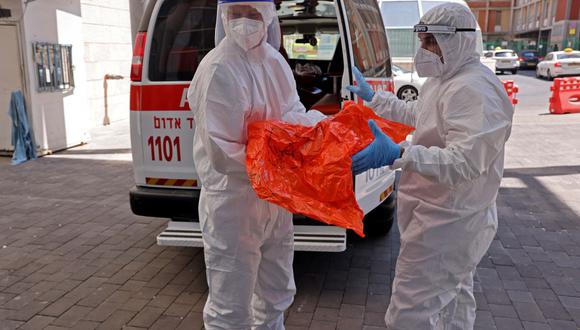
{"x": 407, "y": 84}
{"x": 557, "y": 64}
{"x": 505, "y": 60}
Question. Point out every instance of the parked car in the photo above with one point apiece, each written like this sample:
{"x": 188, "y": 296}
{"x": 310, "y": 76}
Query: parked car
{"x": 407, "y": 83}
{"x": 529, "y": 59}
{"x": 175, "y": 35}
{"x": 558, "y": 64}
{"x": 505, "y": 60}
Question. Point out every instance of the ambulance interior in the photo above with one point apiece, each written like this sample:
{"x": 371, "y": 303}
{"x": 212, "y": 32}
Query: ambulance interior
{"x": 311, "y": 44}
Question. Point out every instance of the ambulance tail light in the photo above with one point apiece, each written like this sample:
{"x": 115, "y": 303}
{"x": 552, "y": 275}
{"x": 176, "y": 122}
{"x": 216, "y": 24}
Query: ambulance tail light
{"x": 138, "y": 52}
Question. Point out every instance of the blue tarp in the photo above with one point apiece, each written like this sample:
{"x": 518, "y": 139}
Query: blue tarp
{"x": 22, "y": 139}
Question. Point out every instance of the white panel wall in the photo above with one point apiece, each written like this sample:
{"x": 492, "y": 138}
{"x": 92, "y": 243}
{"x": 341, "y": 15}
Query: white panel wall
{"x": 60, "y": 119}
{"x": 106, "y": 26}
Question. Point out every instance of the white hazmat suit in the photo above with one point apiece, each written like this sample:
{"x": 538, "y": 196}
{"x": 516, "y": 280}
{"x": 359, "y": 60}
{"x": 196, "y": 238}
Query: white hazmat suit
{"x": 450, "y": 179}
{"x": 248, "y": 242}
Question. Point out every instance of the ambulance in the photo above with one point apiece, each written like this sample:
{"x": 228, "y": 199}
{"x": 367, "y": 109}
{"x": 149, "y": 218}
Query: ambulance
{"x": 322, "y": 42}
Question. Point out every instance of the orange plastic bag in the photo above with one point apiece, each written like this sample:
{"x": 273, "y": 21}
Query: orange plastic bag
{"x": 307, "y": 170}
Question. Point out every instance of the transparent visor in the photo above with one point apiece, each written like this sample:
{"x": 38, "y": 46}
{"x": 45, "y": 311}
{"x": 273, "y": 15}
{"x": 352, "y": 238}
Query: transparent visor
{"x": 444, "y": 29}
{"x": 249, "y": 9}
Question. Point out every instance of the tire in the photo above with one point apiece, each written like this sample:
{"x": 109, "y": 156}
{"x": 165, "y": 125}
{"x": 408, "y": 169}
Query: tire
{"x": 538, "y": 74}
{"x": 379, "y": 221}
{"x": 408, "y": 93}
{"x": 514, "y": 71}
{"x": 549, "y": 75}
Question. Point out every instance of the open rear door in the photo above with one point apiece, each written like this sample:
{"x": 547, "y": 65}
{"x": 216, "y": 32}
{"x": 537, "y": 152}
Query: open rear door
{"x": 365, "y": 46}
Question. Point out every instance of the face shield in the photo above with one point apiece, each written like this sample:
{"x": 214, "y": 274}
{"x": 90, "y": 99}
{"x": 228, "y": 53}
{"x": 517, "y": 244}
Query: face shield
{"x": 248, "y": 23}
{"x": 429, "y": 62}
{"x": 444, "y": 29}
{"x": 453, "y": 27}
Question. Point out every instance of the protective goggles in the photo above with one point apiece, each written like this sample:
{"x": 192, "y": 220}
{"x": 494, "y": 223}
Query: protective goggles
{"x": 427, "y": 28}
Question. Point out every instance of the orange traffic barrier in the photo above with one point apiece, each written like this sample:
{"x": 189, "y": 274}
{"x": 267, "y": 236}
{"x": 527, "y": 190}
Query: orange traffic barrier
{"x": 565, "y": 95}
{"x": 512, "y": 89}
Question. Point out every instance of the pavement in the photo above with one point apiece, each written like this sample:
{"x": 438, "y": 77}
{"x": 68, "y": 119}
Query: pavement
{"x": 73, "y": 256}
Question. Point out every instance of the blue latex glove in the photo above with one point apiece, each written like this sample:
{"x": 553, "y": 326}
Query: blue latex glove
{"x": 362, "y": 89}
{"x": 381, "y": 152}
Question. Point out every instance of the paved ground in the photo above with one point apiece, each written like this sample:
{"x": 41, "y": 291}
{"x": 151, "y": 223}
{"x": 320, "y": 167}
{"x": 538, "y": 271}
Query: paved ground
{"x": 73, "y": 256}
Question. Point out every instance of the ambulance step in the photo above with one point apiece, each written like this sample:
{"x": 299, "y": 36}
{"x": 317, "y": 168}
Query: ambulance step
{"x": 306, "y": 238}
{"x": 179, "y": 233}
{"x": 319, "y": 238}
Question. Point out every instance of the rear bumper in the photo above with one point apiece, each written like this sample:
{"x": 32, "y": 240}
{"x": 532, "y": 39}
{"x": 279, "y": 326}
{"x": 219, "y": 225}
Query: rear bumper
{"x": 506, "y": 66}
{"x": 184, "y": 230}
{"x": 565, "y": 72}
{"x": 165, "y": 203}
{"x": 180, "y": 204}
{"x": 528, "y": 64}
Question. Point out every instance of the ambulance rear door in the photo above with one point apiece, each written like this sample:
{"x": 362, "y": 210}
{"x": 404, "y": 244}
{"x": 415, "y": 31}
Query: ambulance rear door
{"x": 365, "y": 42}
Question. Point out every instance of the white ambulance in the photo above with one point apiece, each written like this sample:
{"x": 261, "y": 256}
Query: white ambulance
{"x": 322, "y": 41}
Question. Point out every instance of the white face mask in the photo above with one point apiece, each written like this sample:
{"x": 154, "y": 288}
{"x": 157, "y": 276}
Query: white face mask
{"x": 428, "y": 64}
{"x": 247, "y": 33}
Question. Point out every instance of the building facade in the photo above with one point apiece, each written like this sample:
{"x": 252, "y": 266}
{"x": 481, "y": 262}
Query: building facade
{"x": 58, "y": 52}
{"x": 494, "y": 19}
{"x": 544, "y": 25}
{"x": 549, "y": 24}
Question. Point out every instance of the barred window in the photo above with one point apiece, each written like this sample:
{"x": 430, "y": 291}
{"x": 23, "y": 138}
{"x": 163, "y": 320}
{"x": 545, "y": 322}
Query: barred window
{"x": 54, "y": 70}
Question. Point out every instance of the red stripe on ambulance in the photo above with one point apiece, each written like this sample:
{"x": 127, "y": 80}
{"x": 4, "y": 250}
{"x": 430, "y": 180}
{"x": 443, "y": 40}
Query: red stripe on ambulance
{"x": 159, "y": 97}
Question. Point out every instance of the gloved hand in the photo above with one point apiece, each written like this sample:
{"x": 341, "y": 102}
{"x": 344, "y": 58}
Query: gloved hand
{"x": 381, "y": 152}
{"x": 362, "y": 89}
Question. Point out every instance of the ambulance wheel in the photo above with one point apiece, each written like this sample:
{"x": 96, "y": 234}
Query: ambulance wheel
{"x": 379, "y": 221}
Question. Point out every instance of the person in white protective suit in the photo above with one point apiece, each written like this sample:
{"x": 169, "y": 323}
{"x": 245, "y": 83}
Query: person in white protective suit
{"x": 450, "y": 173}
{"x": 248, "y": 242}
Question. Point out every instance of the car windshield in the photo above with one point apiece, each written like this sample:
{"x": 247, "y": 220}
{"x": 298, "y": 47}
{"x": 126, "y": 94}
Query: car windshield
{"x": 504, "y": 54}
{"x": 568, "y": 56}
{"x": 528, "y": 54}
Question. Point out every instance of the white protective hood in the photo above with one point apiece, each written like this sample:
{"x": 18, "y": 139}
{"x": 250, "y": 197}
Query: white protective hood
{"x": 266, "y": 8}
{"x": 460, "y": 48}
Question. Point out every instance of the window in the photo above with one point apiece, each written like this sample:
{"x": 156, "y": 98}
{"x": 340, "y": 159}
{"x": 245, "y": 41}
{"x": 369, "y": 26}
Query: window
{"x": 427, "y": 5}
{"x": 400, "y": 13}
{"x": 183, "y": 35}
{"x": 529, "y": 54}
{"x": 312, "y": 9}
{"x": 504, "y": 54}
{"x": 323, "y": 35}
{"x": 404, "y": 42}
{"x": 322, "y": 50}
{"x": 54, "y": 70}
{"x": 368, "y": 37}
{"x": 397, "y": 70}
{"x": 568, "y": 56}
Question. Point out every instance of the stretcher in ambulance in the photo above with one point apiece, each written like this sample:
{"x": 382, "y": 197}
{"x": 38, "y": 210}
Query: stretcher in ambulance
{"x": 322, "y": 41}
